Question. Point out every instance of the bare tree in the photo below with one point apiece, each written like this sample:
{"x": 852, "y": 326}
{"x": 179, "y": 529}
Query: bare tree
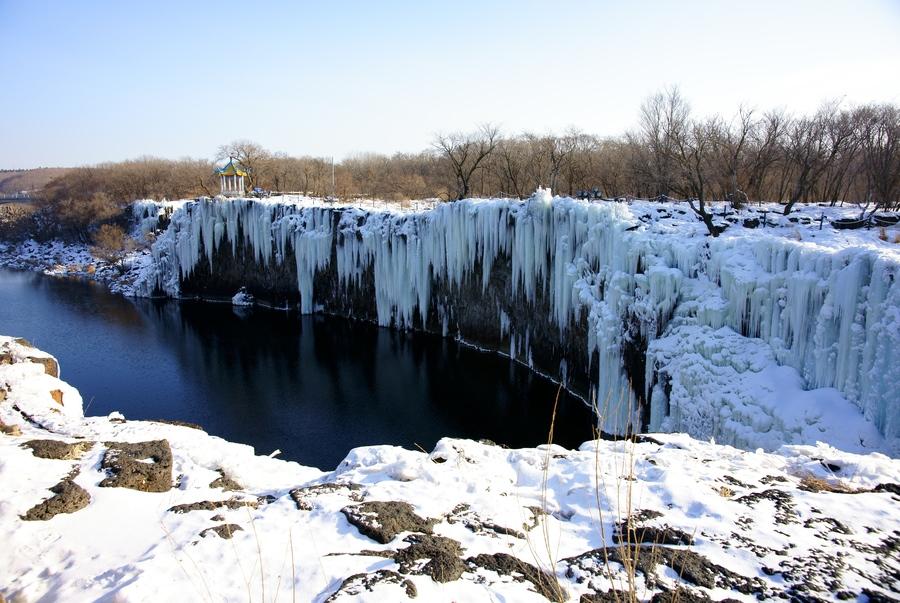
{"x": 766, "y": 149}
{"x": 813, "y": 144}
{"x": 733, "y": 141}
{"x": 880, "y": 142}
{"x": 466, "y": 152}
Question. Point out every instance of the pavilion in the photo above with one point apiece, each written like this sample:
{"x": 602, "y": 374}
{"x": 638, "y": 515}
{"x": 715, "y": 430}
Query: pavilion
{"x": 231, "y": 177}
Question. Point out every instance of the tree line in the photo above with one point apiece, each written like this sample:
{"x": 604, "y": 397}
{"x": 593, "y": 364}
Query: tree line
{"x": 837, "y": 154}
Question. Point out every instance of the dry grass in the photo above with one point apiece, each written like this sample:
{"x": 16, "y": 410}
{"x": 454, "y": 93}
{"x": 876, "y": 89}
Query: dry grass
{"x": 811, "y": 483}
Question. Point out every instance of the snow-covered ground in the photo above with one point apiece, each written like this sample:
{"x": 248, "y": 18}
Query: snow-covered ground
{"x": 147, "y": 511}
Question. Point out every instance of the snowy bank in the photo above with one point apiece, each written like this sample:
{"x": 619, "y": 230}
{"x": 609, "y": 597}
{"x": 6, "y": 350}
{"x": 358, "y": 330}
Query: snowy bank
{"x": 612, "y": 294}
{"x": 102, "y": 507}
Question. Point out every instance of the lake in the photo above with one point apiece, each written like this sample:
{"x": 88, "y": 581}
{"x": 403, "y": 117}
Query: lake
{"x": 311, "y": 386}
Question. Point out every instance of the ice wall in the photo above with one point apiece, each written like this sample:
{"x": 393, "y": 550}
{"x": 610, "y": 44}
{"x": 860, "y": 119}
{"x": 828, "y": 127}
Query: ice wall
{"x": 831, "y": 314}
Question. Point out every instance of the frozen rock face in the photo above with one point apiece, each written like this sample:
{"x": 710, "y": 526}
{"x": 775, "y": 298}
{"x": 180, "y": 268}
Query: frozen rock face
{"x": 606, "y": 297}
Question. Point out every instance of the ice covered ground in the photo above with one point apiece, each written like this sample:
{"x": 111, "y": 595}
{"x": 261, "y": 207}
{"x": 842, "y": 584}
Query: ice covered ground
{"x": 784, "y": 300}
{"x": 74, "y": 260}
{"x": 102, "y": 508}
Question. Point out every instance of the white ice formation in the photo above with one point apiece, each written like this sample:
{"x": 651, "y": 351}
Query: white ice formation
{"x": 714, "y": 313}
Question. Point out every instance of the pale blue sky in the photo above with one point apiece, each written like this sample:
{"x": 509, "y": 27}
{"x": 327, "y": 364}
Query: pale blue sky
{"x": 88, "y": 81}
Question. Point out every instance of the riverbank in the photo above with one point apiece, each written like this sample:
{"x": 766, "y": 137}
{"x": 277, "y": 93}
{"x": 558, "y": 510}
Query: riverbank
{"x": 208, "y": 519}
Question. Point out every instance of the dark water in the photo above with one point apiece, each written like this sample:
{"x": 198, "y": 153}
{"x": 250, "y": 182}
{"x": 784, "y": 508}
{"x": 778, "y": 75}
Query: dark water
{"x": 312, "y": 386}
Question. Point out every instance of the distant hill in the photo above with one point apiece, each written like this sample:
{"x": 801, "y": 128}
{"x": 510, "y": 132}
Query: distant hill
{"x": 13, "y": 181}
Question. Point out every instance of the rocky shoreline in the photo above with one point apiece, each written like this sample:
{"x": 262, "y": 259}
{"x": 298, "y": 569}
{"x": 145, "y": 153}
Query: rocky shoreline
{"x": 104, "y": 507}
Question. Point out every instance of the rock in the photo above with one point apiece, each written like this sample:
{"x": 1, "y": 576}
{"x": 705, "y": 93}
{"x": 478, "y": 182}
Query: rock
{"x": 211, "y": 505}
{"x": 129, "y": 467}
{"x": 641, "y": 535}
{"x": 11, "y": 430}
{"x": 179, "y": 423}
{"x": 2, "y": 394}
{"x": 57, "y": 396}
{"x": 51, "y": 367}
{"x": 356, "y": 584}
{"x": 610, "y": 596}
{"x": 689, "y": 565}
{"x": 303, "y": 497}
{"x": 887, "y": 487}
{"x": 466, "y": 516}
{"x": 55, "y": 449}
{"x": 521, "y": 571}
{"x": 784, "y": 503}
{"x": 383, "y": 520}
{"x": 225, "y": 483}
{"x": 444, "y": 556}
{"x": 680, "y": 595}
{"x": 226, "y": 530}
{"x": 68, "y": 497}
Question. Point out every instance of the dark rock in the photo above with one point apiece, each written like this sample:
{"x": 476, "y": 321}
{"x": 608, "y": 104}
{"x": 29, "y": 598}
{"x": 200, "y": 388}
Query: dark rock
{"x": 178, "y": 423}
{"x": 521, "y": 571}
{"x": 892, "y": 488}
{"x": 55, "y": 449}
{"x": 68, "y": 497}
{"x": 632, "y": 532}
{"x": 211, "y": 505}
{"x": 383, "y": 520}
{"x": 359, "y": 583}
{"x": 226, "y": 530}
{"x": 772, "y": 479}
{"x": 878, "y": 597}
{"x": 225, "y": 483}
{"x": 303, "y": 497}
{"x": 610, "y": 596}
{"x": 689, "y": 565}
{"x": 784, "y": 503}
{"x": 649, "y": 535}
{"x": 444, "y": 557}
{"x": 680, "y": 595}
{"x": 473, "y": 522}
{"x": 144, "y": 466}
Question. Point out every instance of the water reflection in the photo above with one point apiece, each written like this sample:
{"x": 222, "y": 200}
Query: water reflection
{"x": 312, "y": 386}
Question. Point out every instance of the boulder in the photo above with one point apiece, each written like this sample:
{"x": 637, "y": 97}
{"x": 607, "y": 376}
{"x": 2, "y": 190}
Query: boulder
{"x": 144, "y": 466}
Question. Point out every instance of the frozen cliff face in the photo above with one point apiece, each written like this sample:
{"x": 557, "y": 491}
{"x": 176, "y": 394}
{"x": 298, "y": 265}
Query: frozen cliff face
{"x": 657, "y": 296}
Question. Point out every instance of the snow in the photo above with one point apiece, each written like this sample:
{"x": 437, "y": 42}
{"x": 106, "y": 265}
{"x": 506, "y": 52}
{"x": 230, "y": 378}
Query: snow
{"x": 825, "y": 303}
{"x": 242, "y": 298}
{"x": 128, "y": 545}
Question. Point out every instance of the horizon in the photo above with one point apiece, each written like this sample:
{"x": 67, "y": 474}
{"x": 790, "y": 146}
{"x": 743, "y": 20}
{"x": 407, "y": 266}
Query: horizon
{"x": 102, "y": 82}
